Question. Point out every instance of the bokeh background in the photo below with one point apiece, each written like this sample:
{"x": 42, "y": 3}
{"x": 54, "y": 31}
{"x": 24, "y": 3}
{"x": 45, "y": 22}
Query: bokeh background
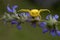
{"x": 9, "y": 32}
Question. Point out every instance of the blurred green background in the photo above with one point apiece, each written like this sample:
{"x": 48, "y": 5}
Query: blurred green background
{"x": 10, "y": 32}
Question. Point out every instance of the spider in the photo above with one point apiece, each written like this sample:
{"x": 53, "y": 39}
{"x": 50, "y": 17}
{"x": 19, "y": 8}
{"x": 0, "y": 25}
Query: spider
{"x": 34, "y": 13}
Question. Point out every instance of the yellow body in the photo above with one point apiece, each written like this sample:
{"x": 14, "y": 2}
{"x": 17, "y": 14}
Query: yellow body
{"x": 34, "y": 13}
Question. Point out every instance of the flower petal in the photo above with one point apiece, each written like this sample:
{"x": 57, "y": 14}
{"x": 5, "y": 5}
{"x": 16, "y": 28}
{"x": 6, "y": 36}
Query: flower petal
{"x": 21, "y": 14}
{"x": 47, "y": 17}
{"x": 27, "y": 14}
{"x": 14, "y": 22}
{"x": 19, "y": 27}
{"x": 8, "y": 9}
{"x": 56, "y": 16}
{"x": 52, "y": 33}
{"x": 45, "y": 30}
{"x": 14, "y": 7}
{"x": 42, "y": 24}
{"x": 58, "y": 33}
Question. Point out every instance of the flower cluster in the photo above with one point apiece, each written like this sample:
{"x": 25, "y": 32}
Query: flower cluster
{"x": 33, "y": 17}
{"x": 50, "y": 25}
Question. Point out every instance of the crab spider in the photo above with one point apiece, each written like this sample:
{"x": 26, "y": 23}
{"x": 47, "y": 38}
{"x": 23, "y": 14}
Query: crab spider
{"x": 35, "y": 13}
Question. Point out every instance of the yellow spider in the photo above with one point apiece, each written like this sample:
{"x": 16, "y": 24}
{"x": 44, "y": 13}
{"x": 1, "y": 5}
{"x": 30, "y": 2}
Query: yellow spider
{"x": 35, "y": 13}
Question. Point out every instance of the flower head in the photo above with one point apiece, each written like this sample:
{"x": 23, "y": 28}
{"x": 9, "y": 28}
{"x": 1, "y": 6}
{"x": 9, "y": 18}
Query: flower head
{"x": 50, "y": 25}
{"x": 55, "y": 16}
{"x": 51, "y": 19}
{"x": 13, "y": 8}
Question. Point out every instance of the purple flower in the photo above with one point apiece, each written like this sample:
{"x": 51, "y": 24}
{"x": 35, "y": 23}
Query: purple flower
{"x": 47, "y": 17}
{"x": 14, "y": 22}
{"x": 28, "y": 14}
{"x": 45, "y": 30}
{"x": 56, "y": 16}
{"x": 42, "y": 24}
{"x": 17, "y": 23}
{"x": 21, "y": 14}
{"x": 50, "y": 21}
{"x": 19, "y": 26}
{"x": 13, "y": 8}
{"x": 58, "y": 33}
{"x": 9, "y": 9}
{"x": 52, "y": 33}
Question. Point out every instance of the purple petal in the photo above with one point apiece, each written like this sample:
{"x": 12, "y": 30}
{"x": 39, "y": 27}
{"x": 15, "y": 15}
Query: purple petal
{"x": 13, "y": 10}
{"x": 21, "y": 14}
{"x": 27, "y": 14}
{"x": 45, "y": 30}
{"x": 47, "y": 17}
{"x": 58, "y": 33}
{"x": 14, "y": 7}
{"x": 42, "y": 24}
{"x": 53, "y": 30}
{"x": 52, "y": 33}
{"x": 14, "y": 22}
{"x": 56, "y": 16}
{"x": 19, "y": 27}
{"x": 8, "y": 9}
